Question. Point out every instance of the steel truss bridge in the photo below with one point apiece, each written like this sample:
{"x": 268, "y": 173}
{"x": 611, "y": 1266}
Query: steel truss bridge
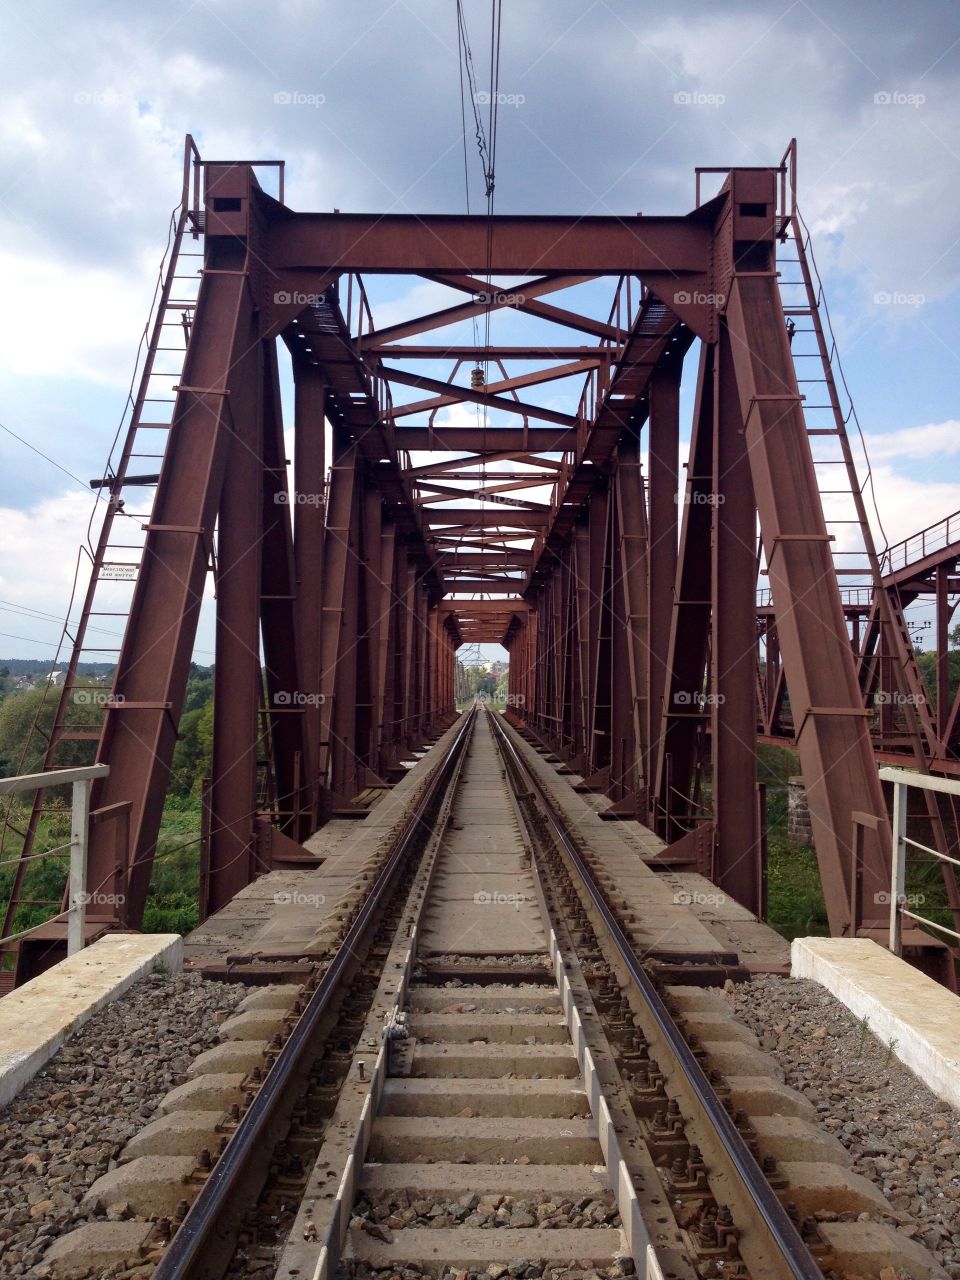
{"x": 624, "y": 585}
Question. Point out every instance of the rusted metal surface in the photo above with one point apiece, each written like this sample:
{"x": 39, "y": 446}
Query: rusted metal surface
{"x": 623, "y": 590}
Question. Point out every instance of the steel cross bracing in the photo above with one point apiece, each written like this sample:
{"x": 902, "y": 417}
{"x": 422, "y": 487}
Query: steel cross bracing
{"x": 450, "y": 492}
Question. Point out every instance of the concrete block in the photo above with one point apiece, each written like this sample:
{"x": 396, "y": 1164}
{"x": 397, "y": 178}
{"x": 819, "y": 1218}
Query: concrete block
{"x": 232, "y": 1055}
{"x": 484, "y": 1140}
{"x": 39, "y": 1017}
{"x": 100, "y": 1245}
{"x": 181, "y": 1133}
{"x": 474, "y": 1248}
{"x": 903, "y": 1007}
{"x": 868, "y": 1247}
{"x": 202, "y": 1093}
{"x": 153, "y": 1186}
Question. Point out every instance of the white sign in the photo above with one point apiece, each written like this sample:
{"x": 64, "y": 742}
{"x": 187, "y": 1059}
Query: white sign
{"x": 118, "y": 571}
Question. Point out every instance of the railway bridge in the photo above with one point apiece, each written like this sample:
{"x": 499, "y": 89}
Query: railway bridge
{"x": 470, "y": 938}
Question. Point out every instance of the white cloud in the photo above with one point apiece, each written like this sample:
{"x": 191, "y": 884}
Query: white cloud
{"x": 73, "y": 321}
{"x": 926, "y": 442}
{"x": 39, "y": 558}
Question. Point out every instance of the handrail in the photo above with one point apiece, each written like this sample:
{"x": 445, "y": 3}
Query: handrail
{"x": 81, "y": 778}
{"x": 898, "y": 556}
{"x": 902, "y": 780}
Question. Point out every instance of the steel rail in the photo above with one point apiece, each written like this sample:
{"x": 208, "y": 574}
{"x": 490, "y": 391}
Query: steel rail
{"x": 187, "y": 1246}
{"x": 799, "y": 1261}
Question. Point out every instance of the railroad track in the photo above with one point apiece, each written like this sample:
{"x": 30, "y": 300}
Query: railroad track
{"x": 484, "y": 1077}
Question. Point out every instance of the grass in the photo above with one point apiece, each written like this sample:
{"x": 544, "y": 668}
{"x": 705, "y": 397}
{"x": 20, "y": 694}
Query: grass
{"x": 795, "y": 904}
{"x": 172, "y": 899}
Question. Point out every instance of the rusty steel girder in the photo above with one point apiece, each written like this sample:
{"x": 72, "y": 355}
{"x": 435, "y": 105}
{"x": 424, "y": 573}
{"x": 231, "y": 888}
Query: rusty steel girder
{"x": 624, "y": 590}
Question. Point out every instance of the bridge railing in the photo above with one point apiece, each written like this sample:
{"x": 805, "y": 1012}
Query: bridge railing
{"x": 81, "y": 780}
{"x": 919, "y": 545}
{"x": 900, "y": 902}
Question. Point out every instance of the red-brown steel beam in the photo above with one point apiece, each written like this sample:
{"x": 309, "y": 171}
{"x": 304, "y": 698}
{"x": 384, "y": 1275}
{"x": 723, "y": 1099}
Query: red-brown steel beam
{"x": 733, "y": 717}
{"x": 309, "y": 474}
{"x": 140, "y": 731}
{"x": 634, "y": 563}
{"x": 504, "y": 441}
{"x": 663, "y": 517}
{"x": 454, "y": 396}
{"x": 489, "y": 517}
{"x": 279, "y": 620}
{"x": 681, "y": 716}
{"x": 503, "y": 403}
{"x": 833, "y": 737}
{"x": 488, "y": 298}
{"x": 506, "y": 244}
{"x": 439, "y": 351}
{"x": 237, "y": 679}
{"x": 338, "y": 624}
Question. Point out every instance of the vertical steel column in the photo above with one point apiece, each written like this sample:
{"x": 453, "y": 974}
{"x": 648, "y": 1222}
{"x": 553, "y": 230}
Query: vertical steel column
{"x": 623, "y": 760}
{"x": 738, "y": 869}
{"x": 637, "y": 622}
{"x": 237, "y": 674}
{"x": 664, "y": 497}
{"x": 381, "y": 610}
{"x": 580, "y": 554}
{"x": 596, "y": 579}
{"x": 337, "y": 651}
{"x": 833, "y": 738}
{"x": 293, "y": 775}
{"x": 140, "y": 733}
{"x": 309, "y": 478}
{"x": 682, "y": 715}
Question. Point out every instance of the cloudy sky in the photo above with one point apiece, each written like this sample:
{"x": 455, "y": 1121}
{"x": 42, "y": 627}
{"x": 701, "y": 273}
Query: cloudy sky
{"x": 608, "y": 107}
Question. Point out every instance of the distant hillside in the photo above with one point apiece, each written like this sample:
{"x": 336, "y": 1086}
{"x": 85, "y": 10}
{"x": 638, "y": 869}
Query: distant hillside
{"x": 40, "y": 666}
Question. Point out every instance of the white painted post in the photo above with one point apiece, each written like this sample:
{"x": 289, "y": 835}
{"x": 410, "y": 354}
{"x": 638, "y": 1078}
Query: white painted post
{"x": 899, "y": 876}
{"x": 79, "y": 833}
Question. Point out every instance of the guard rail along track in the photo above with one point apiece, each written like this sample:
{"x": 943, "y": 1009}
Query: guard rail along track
{"x": 484, "y": 1077}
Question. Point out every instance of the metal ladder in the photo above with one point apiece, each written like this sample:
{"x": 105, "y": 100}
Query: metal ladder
{"x": 828, "y": 412}
{"x": 129, "y": 481}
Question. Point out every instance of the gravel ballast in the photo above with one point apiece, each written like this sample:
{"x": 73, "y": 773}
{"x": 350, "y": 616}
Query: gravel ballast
{"x": 69, "y": 1123}
{"x": 901, "y": 1136}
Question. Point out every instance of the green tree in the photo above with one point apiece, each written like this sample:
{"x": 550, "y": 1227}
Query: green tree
{"x": 18, "y": 712}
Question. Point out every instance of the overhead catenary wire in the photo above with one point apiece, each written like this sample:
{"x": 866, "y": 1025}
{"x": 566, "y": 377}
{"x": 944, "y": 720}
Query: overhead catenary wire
{"x": 486, "y": 145}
